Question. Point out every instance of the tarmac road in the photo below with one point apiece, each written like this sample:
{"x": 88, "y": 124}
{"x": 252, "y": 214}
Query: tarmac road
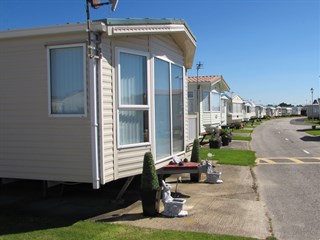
{"x": 288, "y": 178}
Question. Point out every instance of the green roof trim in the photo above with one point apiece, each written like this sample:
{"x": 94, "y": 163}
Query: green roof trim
{"x": 144, "y": 21}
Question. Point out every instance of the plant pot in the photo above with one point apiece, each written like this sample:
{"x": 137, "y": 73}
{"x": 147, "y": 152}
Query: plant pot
{"x": 150, "y": 202}
{"x": 195, "y": 177}
{"x": 225, "y": 140}
{"x": 215, "y": 144}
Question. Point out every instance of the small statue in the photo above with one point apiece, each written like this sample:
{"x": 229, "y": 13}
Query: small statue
{"x": 212, "y": 176}
{"x": 172, "y": 206}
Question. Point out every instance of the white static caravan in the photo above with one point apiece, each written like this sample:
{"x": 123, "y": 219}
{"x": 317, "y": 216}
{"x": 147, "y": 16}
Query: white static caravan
{"x": 67, "y": 117}
{"x": 278, "y": 112}
{"x": 207, "y": 100}
{"x": 237, "y": 113}
{"x": 313, "y": 111}
{"x": 296, "y": 111}
{"x": 260, "y": 111}
{"x": 249, "y": 110}
{"x": 270, "y": 111}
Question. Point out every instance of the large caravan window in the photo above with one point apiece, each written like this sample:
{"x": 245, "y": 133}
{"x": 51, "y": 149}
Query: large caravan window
{"x": 215, "y": 101}
{"x": 191, "y": 108}
{"x": 169, "y": 110}
{"x": 133, "y": 114}
{"x": 205, "y": 101}
{"x": 66, "y": 80}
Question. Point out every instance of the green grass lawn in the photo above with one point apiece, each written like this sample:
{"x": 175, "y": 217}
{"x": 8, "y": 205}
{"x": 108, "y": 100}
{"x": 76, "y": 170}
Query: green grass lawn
{"x": 313, "y": 122}
{"x": 230, "y": 156}
{"x": 242, "y": 130}
{"x": 241, "y": 138}
{"x": 102, "y": 231}
{"x": 250, "y": 126}
{"x": 315, "y": 132}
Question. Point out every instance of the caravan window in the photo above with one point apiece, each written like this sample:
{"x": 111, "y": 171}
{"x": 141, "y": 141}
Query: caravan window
{"x": 205, "y": 101}
{"x": 133, "y": 112}
{"x": 67, "y": 80}
{"x": 215, "y": 102}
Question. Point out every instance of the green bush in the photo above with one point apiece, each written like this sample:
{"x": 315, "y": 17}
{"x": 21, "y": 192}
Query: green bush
{"x": 195, "y": 154}
{"x": 149, "y": 178}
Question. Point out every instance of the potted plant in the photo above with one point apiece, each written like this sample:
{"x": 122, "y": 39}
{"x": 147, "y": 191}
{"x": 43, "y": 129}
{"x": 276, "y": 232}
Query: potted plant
{"x": 150, "y": 189}
{"x": 195, "y": 157}
{"x": 215, "y": 140}
{"x": 225, "y": 137}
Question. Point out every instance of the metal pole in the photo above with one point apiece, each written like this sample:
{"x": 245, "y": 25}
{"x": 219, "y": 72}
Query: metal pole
{"x": 88, "y": 29}
{"x": 312, "y": 103}
{"x": 198, "y": 66}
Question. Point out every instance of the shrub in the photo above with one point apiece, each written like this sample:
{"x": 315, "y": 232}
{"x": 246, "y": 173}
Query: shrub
{"x": 237, "y": 125}
{"x": 149, "y": 178}
{"x": 195, "y": 154}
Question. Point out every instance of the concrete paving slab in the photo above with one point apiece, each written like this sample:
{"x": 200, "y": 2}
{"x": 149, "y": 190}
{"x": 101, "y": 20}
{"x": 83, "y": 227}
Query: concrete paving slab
{"x": 229, "y": 208}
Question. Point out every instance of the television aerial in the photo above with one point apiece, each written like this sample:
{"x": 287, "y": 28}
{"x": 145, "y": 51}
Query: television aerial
{"x": 96, "y": 4}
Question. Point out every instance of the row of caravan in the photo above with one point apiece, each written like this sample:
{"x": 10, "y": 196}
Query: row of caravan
{"x": 209, "y": 101}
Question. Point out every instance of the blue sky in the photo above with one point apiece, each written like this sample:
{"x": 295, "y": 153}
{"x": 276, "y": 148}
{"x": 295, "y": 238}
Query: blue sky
{"x": 267, "y": 50}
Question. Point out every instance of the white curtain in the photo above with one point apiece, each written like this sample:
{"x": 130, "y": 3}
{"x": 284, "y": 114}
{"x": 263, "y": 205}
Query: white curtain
{"x": 67, "y": 80}
{"x": 132, "y": 127}
{"x": 133, "y": 117}
{"x": 205, "y": 101}
{"x": 215, "y": 102}
{"x": 133, "y": 81}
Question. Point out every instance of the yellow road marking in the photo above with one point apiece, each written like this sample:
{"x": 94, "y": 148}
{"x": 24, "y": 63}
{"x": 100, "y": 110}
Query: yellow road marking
{"x": 268, "y": 161}
{"x": 294, "y": 160}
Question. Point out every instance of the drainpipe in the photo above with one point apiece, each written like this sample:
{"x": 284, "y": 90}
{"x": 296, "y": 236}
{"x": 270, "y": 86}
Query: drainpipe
{"x": 94, "y": 64}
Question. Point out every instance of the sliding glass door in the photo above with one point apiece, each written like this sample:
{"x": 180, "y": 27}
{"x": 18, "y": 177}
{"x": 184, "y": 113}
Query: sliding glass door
{"x": 169, "y": 114}
{"x": 162, "y": 108}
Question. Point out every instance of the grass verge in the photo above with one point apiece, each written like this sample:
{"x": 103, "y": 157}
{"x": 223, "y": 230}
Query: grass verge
{"x": 230, "y": 156}
{"x": 313, "y": 122}
{"x": 241, "y": 138}
{"x": 313, "y": 132}
{"x": 242, "y": 131}
{"x": 99, "y": 231}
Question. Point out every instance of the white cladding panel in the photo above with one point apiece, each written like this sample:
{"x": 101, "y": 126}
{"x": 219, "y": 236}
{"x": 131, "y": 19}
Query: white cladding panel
{"x": 34, "y": 145}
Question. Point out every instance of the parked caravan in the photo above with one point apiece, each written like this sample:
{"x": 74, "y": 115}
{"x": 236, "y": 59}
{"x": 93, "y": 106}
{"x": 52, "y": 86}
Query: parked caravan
{"x": 204, "y": 97}
{"x": 67, "y": 116}
{"x": 237, "y": 111}
{"x": 313, "y": 111}
{"x": 249, "y": 110}
{"x": 270, "y": 111}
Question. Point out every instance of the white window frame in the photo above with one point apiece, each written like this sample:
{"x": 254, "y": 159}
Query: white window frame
{"x": 171, "y": 122}
{"x": 50, "y": 114}
{"x": 131, "y": 107}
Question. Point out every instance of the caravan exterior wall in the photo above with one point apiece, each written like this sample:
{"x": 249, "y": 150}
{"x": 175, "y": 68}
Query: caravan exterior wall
{"x": 46, "y": 124}
{"x": 34, "y": 143}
